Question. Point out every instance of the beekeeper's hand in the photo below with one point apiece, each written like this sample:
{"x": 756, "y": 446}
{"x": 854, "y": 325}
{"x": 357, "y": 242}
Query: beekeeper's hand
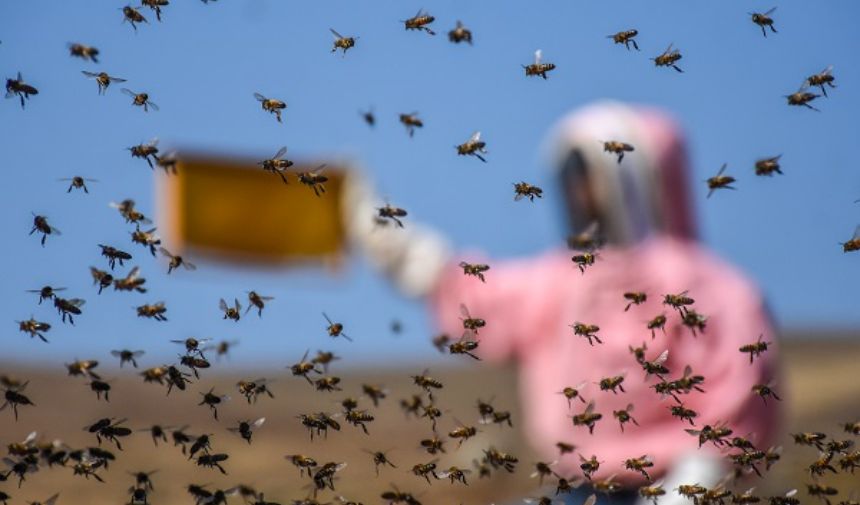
{"x": 413, "y": 257}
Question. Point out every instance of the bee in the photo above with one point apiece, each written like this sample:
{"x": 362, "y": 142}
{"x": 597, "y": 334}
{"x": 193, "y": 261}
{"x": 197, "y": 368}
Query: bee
{"x": 765, "y": 390}
{"x": 767, "y": 166}
{"x": 20, "y": 88}
{"x": 133, "y": 16}
{"x": 587, "y": 418}
{"x": 155, "y": 374}
{"x": 83, "y": 368}
{"x": 146, "y": 151}
{"x": 462, "y": 433}
{"x": 419, "y": 22}
{"x": 213, "y": 461}
{"x": 715, "y": 434}
{"x": 543, "y": 470}
{"x": 715, "y": 495}
{"x": 380, "y": 458}
{"x": 624, "y": 416}
{"x": 720, "y": 181}
{"x": 411, "y": 122}
{"x": 567, "y": 485}
{"x": 132, "y": 282}
{"x": 392, "y": 213}
{"x": 526, "y": 190}
{"x": 324, "y": 477}
{"x": 625, "y": 37}
{"x": 324, "y": 358}
{"x": 498, "y": 459}
{"x": 756, "y": 348}
{"x": 34, "y": 328}
{"x": 368, "y": 116}
{"x": 341, "y": 42}
{"x": 252, "y": 389}
{"x": 194, "y": 363}
{"x": 146, "y": 238}
{"x": 303, "y": 463}
{"x": 433, "y": 445}
{"x": 25, "y": 447}
{"x": 474, "y": 269}
{"x": 441, "y": 341}
{"x": 573, "y": 392}
{"x": 359, "y": 418}
{"x": 460, "y": 34}
{"x": 802, "y": 98}
{"x": 693, "y": 320}
{"x": 68, "y": 308}
{"x": 657, "y": 366}
{"x": 746, "y": 498}
{"x": 426, "y": 382}
{"x": 335, "y": 329}
{"x": 849, "y": 246}
{"x": 77, "y": 182}
{"x": 500, "y": 417}
{"x": 786, "y": 499}
{"x": 426, "y": 470}
{"x": 850, "y": 462}
{"x": 823, "y": 79}
{"x": 168, "y": 163}
{"x": 127, "y": 356}
{"x": 473, "y": 147}
{"x": 180, "y": 380}
{"x": 109, "y": 429}
{"x": 84, "y": 52}
{"x": 272, "y": 106}
{"x": 538, "y": 67}
{"x": 678, "y": 301}
{"x": 40, "y": 224}
{"x": 456, "y": 474}
{"x": 155, "y": 311}
{"x": 327, "y": 383}
{"x": 396, "y": 496}
{"x": 211, "y": 400}
{"x": 375, "y": 393}
{"x": 589, "y": 466}
{"x": 470, "y": 324}
{"x": 128, "y": 211}
{"x": 223, "y": 347}
{"x": 192, "y": 345}
{"x": 821, "y": 492}
{"x": 102, "y": 79}
{"x": 155, "y": 5}
{"x": 14, "y": 397}
{"x": 587, "y": 331}
{"x": 233, "y": 312}
{"x": 277, "y": 165}
{"x": 432, "y": 413}
{"x": 586, "y": 240}
{"x": 303, "y": 368}
{"x": 46, "y": 292}
{"x": 852, "y": 427}
{"x": 688, "y": 381}
{"x": 140, "y": 99}
{"x": 764, "y": 20}
{"x": 114, "y": 255}
{"x": 245, "y": 429}
{"x": 772, "y": 456}
{"x": 639, "y": 465}
{"x": 617, "y": 147}
{"x": 314, "y": 179}
{"x": 612, "y": 383}
{"x": 668, "y": 58}
{"x": 175, "y": 261}
{"x": 653, "y": 492}
{"x": 99, "y": 387}
{"x": 683, "y": 413}
{"x": 634, "y": 298}
{"x": 691, "y": 491}
{"x": 464, "y": 346}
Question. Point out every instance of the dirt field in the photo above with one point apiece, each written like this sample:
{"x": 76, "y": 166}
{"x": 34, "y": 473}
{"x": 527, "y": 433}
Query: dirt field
{"x": 821, "y": 380}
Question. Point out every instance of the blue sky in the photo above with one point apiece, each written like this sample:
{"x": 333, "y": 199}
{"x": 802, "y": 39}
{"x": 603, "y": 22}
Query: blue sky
{"x": 203, "y": 62}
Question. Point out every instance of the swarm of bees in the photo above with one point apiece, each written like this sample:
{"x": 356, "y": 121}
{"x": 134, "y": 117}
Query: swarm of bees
{"x": 29, "y": 456}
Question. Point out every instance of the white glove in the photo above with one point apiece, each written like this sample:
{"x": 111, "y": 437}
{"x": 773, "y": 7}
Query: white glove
{"x": 697, "y": 467}
{"x": 413, "y": 257}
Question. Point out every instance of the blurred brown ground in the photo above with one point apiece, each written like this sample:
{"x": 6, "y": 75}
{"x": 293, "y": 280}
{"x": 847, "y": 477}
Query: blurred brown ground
{"x": 821, "y": 385}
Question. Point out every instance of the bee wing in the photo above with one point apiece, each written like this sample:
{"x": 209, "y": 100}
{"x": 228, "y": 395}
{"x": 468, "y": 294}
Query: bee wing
{"x": 333, "y": 32}
{"x": 538, "y": 56}
{"x": 116, "y": 354}
{"x": 53, "y": 499}
{"x": 856, "y": 232}
{"x": 828, "y": 70}
{"x": 662, "y": 358}
{"x": 417, "y": 14}
{"x": 695, "y": 433}
{"x": 722, "y": 169}
{"x": 165, "y": 252}
{"x": 591, "y": 500}
{"x": 259, "y": 422}
{"x": 30, "y": 438}
{"x": 116, "y": 79}
{"x": 267, "y": 298}
{"x": 475, "y": 137}
{"x": 128, "y": 92}
{"x": 329, "y": 322}
{"x": 86, "y": 73}
{"x": 222, "y": 305}
{"x": 237, "y": 304}
{"x": 133, "y": 274}
{"x": 688, "y": 370}
{"x": 769, "y": 12}
{"x": 464, "y": 311}
{"x": 669, "y": 48}
{"x": 260, "y": 97}
{"x": 589, "y": 408}
{"x": 152, "y": 105}
{"x": 791, "y": 493}
{"x": 282, "y": 151}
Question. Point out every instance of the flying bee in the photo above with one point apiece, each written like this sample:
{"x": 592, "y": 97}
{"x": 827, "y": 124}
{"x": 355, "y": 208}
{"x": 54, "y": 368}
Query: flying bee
{"x": 693, "y": 320}
{"x": 175, "y": 261}
{"x": 368, "y": 116}
{"x": 223, "y": 347}
{"x": 678, "y": 301}
{"x": 763, "y": 20}
{"x": 14, "y": 397}
{"x": 589, "y": 466}
{"x": 155, "y": 5}
{"x": 432, "y": 413}
{"x": 756, "y": 348}
{"x": 470, "y": 324}
{"x": 77, "y": 182}
{"x": 213, "y": 461}
{"x": 801, "y": 98}
{"x": 146, "y": 238}
{"x": 433, "y": 445}
{"x": 272, "y": 106}
{"x": 140, "y": 100}
{"x": 84, "y": 52}
{"x": 617, "y": 147}
{"x": 656, "y": 367}
{"x": 850, "y": 462}
{"x": 127, "y": 356}
{"x": 821, "y": 492}
{"x": 538, "y": 67}
{"x": 691, "y": 491}
{"x": 83, "y": 368}
{"x": 335, "y": 329}
{"x": 587, "y": 331}
{"x": 638, "y": 352}
{"x": 625, "y": 37}
{"x": 192, "y": 345}
{"x": 46, "y": 292}
{"x": 460, "y": 34}
{"x": 767, "y": 166}
{"x": 314, "y": 179}
{"x": 380, "y": 458}
{"x": 473, "y": 147}
{"x": 852, "y": 427}
{"x": 349, "y": 403}
{"x": 375, "y": 393}
{"x": 772, "y": 456}
{"x": 683, "y": 413}
{"x": 25, "y": 447}
{"x": 304, "y": 367}
{"x": 720, "y": 181}
{"x": 426, "y": 382}
{"x": 526, "y": 190}
{"x": 133, "y": 16}
{"x": 688, "y": 381}
{"x": 212, "y": 400}
{"x": 474, "y": 269}
{"x": 154, "y": 311}
{"x": 544, "y": 470}
{"x": 303, "y": 463}
{"x": 324, "y": 476}
{"x": 822, "y": 464}
{"x": 245, "y": 429}
{"x": 359, "y": 418}
{"x": 850, "y": 246}
{"x": 462, "y": 433}
{"x": 411, "y": 122}
{"x": 634, "y": 298}
{"x": 746, "y": 498}
{"x": 34, "y": 328}
{"x": 498, "y": 459}
{"x": 612, "y": 383}
{"x": 20, "y": 88}
{"x": 419, "y": 22}
{"x": 180, "y": 380}
{"x": 456, "y": 474}
{"x": 132, "y": 282}
{"x": 100, "y": 387}
{"x": 102, "y": 79}
{"x": 715, "y": 434}
{"x": 823, "y": 79}
{"x": 765, "y": 390}
{"x": 40, "y": 224}
{"x": 327, "y": 383}
{"x": 392, "y": 213}
{"x": 624, "y": 416}
{"x": 68, "y": 308}
{"x": 109, "y": 429}
{"x": 114, "y": 255}
{"x": 233, "y": 312}
{"x": 146, "y": 151}
{"x": 587, "y": 418}
{"x": 277, "y": 164}
{"x": 668, "y": 58}
{"x": 194, "y": 363}
{"x": 341, "y": 42}
{"x": 252, "y": 389}
{"x": 587, "y": 240}
{"x": 639, "y": 465}
{"x": 573, "y": 392}
{"x": 464, "y": 346}
{"x": 128, "y": 211}
{"x": 325, "y": 358}
{"x": 441, "y": 341}
{"x": 426, "y": 470}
